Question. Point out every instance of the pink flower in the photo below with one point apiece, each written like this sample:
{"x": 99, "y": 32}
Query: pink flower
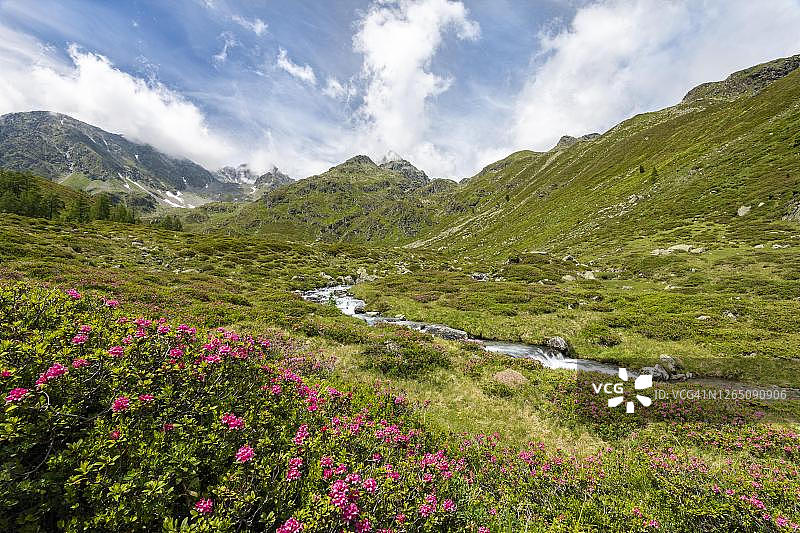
{"x": 301, "y": 435}
{"x": 483, "y": 529}
{"x": 121, "y": 403}
{"x": 350, "y": 512}
{"x": 232, "y": 421}
{"x": 293, "y": 525}
{"x": 175, "y": 353}
{"x": 244, "y": 454}
{"x": 425, "y": 510}
{"x": 16, "y": 395}
{"x": 276, "y": 389}
{"x": 127, "y": 340}
{"x": 85, "y": 329}
{"x": 112, "y": 303}
{"x": 163, "y": 329}
{"x": 326, "y": 461}
{"x": 116, "y": 351}
{"x": 168, "y": 427}
{"x": 80, "y": 338}
{"x": 448, "y": 506}
{"x": 213, "y": 358}
{"x": 294, "y": 469}
{"x": 205, "y": 506}
{"x": 363, "y": 526}
{"x": 370, "y": 485}
{"x": 114, "y": 435}
{"x": 75, "y": 295}
{"x": 400, "y": 518}
{"x": 77, "y": 363}
{"x": 145, "y": 398}
{"x": 6, "y": 373}
{"x": 51, "y": 373}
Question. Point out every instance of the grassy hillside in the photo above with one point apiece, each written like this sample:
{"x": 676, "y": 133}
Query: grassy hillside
{"x": 355, "y": 201}
{"x": 674, "y": 232}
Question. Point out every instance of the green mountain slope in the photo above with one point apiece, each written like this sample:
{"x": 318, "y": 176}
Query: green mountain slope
{"x": 357, "y": 200}
{"x": 88, "y": 158}
{"x": 689, "y": 167}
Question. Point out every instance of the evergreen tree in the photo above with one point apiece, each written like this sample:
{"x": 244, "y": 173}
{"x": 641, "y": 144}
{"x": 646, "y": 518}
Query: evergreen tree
{"x": 101, "y": 207}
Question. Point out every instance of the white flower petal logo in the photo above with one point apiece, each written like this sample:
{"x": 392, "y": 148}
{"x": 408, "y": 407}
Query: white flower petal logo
{"x": 645, "y": 381}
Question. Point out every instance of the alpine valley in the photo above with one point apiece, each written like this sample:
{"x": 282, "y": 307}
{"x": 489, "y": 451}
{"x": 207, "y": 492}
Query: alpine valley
{"x": 371, "y": 349}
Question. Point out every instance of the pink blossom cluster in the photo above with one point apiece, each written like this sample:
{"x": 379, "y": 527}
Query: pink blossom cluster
{"x": 16, "y": 394}
{"x": 293, "y": 472}
{"x": 121, "y": 403}
{"x": 53, "y": 372}
{"x": 244, "y": 454}
{"x": 232, "y": 421}
{"x": 204, "y": 506}
{"x": 293, "y": 525}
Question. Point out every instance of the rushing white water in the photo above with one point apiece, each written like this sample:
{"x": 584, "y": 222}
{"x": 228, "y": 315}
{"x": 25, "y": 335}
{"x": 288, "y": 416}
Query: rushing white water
{"x": 549, "y": 357}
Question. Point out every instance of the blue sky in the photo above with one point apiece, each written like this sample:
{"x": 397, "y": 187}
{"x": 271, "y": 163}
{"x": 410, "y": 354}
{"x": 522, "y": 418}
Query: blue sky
{"x": 450, "y": 85}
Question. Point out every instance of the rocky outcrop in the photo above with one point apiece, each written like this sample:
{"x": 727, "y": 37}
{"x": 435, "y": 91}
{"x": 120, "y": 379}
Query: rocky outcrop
{"x": 744, "y": 82}
{"x": 561, "y": 344}
{"x": 567, "y": 140}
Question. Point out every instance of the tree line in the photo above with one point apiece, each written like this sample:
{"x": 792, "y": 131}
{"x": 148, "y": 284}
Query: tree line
{"x": 22, "y": 195}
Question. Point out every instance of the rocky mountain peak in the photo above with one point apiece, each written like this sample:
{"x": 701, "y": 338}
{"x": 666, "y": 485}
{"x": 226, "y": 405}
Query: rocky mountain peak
{"x": 273, "y": 178}
{"x": 403, "y": 167}
{"x": 240, "y": 174}
{"x": 567, "y": 140}
{"x": 360, "y": 160}
{"x": 747, "y": 81}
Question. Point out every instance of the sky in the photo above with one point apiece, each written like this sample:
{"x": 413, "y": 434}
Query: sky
{"x": 303, "y": 85}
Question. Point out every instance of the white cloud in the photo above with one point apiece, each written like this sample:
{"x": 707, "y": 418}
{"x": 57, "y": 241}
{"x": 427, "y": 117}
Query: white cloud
{"x": 304, "y": 73}
{"x": 91, "y": 89}
{"x": 257, "y": 26}
{"x": 618, "y": 58}
{"x": 229, "y": 41}
{"x": 338, "y": 90}
{"x": 398, "y": 40}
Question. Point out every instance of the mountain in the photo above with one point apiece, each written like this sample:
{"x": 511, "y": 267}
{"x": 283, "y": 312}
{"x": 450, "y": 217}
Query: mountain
{"x": 88, "y": 158}
{"x": 723, "y": 164}
{"x": 241, "y": 175}
{"x": 356, "y": 200}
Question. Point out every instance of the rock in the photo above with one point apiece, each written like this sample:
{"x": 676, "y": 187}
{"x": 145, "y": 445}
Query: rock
{"x": 567, "y": 277}
{"x": 561, "y": 344}
{"x": 400, "y": 317}
{"x": 680, "y": 248}
{"x": 348, "y": 280}
{"x": 510, "y": 378}
{"x": 626, "y": 288}
{"x": 569, "y": 259}
{"x": 743, "y": 210}
{"x": 480, "y": 276}
{"x": 697, "y": 250}
{"x": 728, "y": 314}
{"x": 589, "y": 274}
{"x": 759, "y": 246}
{"x": 657, "y": 371}
{"x": 678, "y": 377}
{"x": 660, "y": 251}
{"x": 669, "y": 363}
{"x": 703, "y": 317}
{"x": 360, "y": 309}
{"x": 445, "y": 332}
{"x": 363, "y": 277}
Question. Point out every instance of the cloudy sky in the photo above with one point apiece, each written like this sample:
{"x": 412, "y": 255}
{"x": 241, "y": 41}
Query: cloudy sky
{"x": 450, "y": 85}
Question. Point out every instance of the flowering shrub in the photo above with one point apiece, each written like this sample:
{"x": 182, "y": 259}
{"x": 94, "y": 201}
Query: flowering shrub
{"x": 218, "y": 431}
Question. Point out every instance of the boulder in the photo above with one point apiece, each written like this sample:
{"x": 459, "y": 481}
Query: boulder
{"x": 743, "y": 210}
{"x": 559, "y": 343}
{"x": 669, "y": 363}
{"x": 510, "y": 378}
{"x": 658, "y": 372}
{"x": 567, "y": 277}
{"x": 445, "y": 332}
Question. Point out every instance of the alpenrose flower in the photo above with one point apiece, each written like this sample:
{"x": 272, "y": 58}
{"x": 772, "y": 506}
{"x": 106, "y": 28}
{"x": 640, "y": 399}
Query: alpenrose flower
{"x": 116, "y": 351}
{"x": 16, "y": 395}
{"x": 121, "y": 403}
{"x": 51, "y": 373}
{"x": 205, "y": 506}
{"x": 232, "y": 421}
{"x": 244, "y": 454}
{"x": 293, "y": 525}
{"x": 75, "y": 295}
{"x": 77, "y": 363}
{"x": 80, "y": 338}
